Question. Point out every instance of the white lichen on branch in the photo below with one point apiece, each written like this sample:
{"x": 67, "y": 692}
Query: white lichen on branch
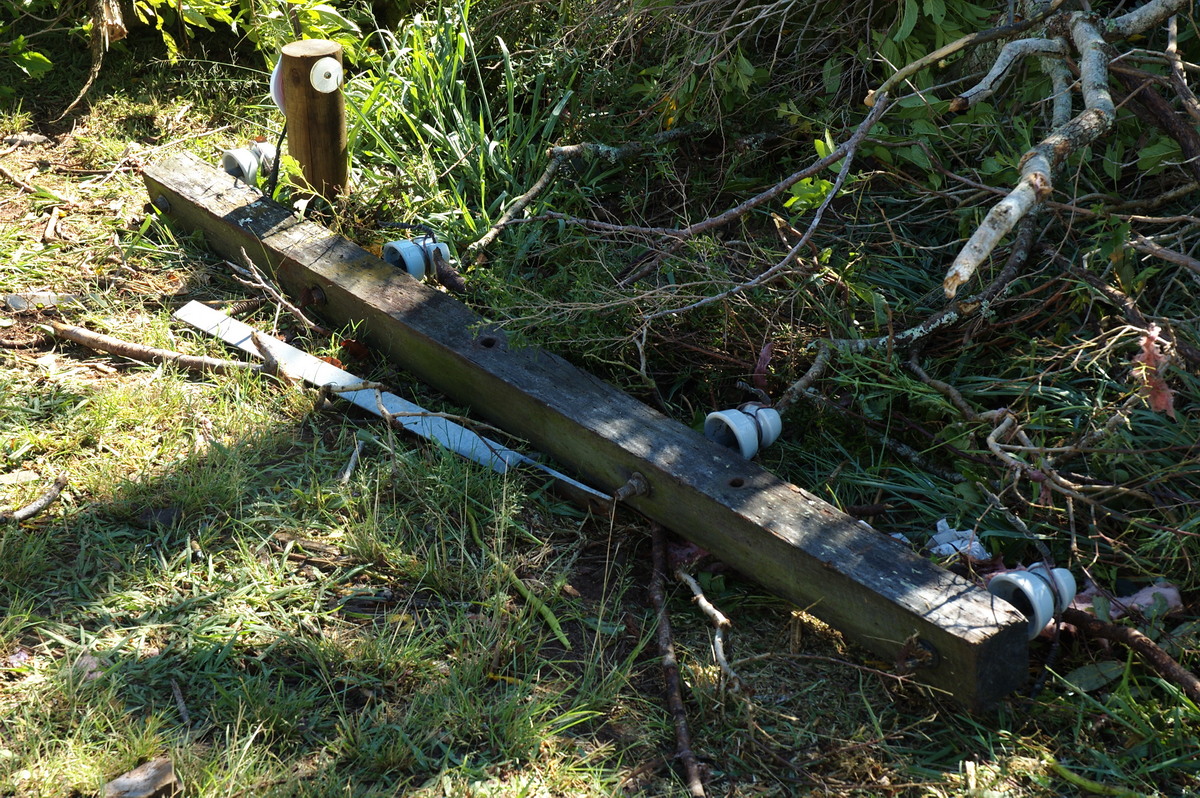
{"x": 1040, "y": 164}
{"x": 1010, "y": 55}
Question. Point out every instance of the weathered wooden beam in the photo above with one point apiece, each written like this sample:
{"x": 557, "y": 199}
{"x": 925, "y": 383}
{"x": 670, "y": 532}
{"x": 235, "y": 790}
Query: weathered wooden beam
{"x": 870, "y": 587}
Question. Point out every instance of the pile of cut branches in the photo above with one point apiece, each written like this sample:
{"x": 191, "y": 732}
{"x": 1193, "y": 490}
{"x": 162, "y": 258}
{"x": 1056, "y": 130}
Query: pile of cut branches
{"x": 1047, "y": 394}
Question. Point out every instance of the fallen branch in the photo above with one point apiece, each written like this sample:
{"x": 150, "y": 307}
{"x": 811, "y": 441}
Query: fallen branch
{"x": 16, "y": 181}
{"x": 721, "y": 625}
{"x": 971, "y": 39}
{"x": 115, "y": 346}
{"x": 955, "y": 311}
{"x": 1040, "y": 164}
{"x": 1129, "y": 308}
{"x": 1159, "y": 661}
{"x": 819, "y": 364}
{"x": 666, "y": 649}
{"x": 1153, "y": 109}
{"x": 38, "y": 505}
{"x": 1187, "y": 97}
{"x": 251, "y": 277}
{"x": 1010, "y": 55}
{"x": 1148, "y": 247}
{"x": 845, "y": 153}
{"x": 107, "y": 26}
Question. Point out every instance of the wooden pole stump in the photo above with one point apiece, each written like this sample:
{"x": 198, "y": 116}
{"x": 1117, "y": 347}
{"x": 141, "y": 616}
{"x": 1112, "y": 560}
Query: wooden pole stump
{"x": 316, "y": 114}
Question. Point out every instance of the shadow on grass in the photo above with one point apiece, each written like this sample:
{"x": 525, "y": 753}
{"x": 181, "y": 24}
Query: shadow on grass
{"x": 283, "y": 633}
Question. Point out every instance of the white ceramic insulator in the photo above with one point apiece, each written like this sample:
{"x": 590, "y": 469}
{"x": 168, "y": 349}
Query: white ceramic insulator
{"x": 747, "y": 429}
{"x": 326, "y": 75}
{"x": 277, "y": 85}
{"x": 266, "y": 153}
{"x": 415, "y": 256}
{"x": 1037, "y": 592}
{"x": 242, "y": 164}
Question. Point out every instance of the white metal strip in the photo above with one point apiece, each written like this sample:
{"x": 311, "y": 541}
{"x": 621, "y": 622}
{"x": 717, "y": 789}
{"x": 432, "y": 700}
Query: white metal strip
{"x": 303, "y": 366}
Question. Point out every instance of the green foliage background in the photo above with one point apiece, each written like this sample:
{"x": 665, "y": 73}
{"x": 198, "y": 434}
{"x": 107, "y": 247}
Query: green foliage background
{"x": 452, "y": 107}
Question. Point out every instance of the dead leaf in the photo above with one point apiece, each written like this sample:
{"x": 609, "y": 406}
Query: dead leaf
{"x": 1149, "y": 365}
{"x": 88, "y": 667}
{"x": 353, "y": 350}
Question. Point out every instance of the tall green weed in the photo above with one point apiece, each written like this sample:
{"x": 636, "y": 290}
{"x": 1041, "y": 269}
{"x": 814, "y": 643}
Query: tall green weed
{"x": 454, "y": 123}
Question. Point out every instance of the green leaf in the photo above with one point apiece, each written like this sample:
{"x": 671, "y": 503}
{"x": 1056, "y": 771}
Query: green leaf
{"x": 604, "y": 627}
{"x": 915, "y": 155}
{"x": 936, "y": 11}
{"x": 908, "y": 21}
{"x": 831, "y": 75}
{"x": 33, "y": 63}
{"x": 1182, "y": 638}
{"x": 1094, "y": 676}
{"x": 1152, "y": 159}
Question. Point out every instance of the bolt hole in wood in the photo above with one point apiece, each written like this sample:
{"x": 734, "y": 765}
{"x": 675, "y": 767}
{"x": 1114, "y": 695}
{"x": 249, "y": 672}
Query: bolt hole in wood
{"x": 737, "y": 482}
{"x": 489, "y": 341}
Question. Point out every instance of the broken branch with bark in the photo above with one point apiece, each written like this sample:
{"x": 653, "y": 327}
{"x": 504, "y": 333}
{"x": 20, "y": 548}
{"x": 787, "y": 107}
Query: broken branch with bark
{"x": 670, "y": 664}
{"x": 721, "y": 625}
{"x": 1158, "y": 660}
{"x": 38, "y": 505}
{"x": 1040, "y": 165}
{"x": 147, "y": 354}
{"x": 1010, "y": 55}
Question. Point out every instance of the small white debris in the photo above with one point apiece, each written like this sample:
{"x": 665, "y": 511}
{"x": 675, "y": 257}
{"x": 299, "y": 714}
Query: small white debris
{"x": 948, "y": 542}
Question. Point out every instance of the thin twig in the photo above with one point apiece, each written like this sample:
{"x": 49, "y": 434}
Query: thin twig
{"x": 38, "y": 505}
{"x": 520, "y": 204}
{"x": 348, "y": 471}
{"x": 1186, "y": 96}
{"x": 666, "y": 649}
{"x": 99, "y": 45}
{"x": 558, "y": 156}
{"x": 1148, "y": 247}
{"x": 819, "y": 364}
{"x": 954, "y": 312}
{"x": 253, "y": 278}
{"x": 16, "y": 181}
{"x": 184, "y": 717}
{"x": 147, "y": 354}
{"x": 945, "y": 389}
{"x": 721, "y": 625}
{"x": 846, "y": 152}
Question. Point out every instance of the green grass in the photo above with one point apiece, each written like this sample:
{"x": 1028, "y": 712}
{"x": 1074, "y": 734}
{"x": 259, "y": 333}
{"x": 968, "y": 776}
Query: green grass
{"x": 207, "y": 589}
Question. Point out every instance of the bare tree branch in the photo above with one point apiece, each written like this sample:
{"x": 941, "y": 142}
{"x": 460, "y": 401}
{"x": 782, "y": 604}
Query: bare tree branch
{"x": 1010, "y": 55}
{"x": 38, "y": 505}
{"x": 1041, "y": 163}
{"x": 666, "y": 648}
{"x": 115, "y": 346}
{"x": 849, "y": 149}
